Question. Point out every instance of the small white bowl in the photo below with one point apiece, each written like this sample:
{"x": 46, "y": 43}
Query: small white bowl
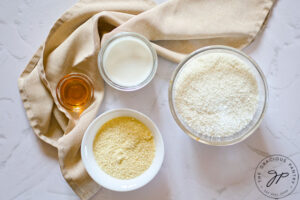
{"x": 104, "y": 179}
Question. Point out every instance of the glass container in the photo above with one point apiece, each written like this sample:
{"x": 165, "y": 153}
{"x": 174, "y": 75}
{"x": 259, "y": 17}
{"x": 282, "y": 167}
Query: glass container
{"x": 75, "y": 92}
{"x": 106, "y": 77}
{"x": 259, "y": 113}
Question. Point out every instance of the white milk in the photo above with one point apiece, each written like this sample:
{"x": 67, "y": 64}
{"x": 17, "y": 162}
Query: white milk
{"x": 127, "y": 61}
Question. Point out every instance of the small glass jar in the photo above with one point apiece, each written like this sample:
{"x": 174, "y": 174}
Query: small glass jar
{"x": 75, "y": 92}
{"x": 103, "y": 70}
{"x": 261, "y": 106}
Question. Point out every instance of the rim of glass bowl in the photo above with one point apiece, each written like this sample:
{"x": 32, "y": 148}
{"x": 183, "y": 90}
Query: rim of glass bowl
{"x": 67, "y": 77}
{"x": 210, "y": 140}
{"x": 121, "y": 87}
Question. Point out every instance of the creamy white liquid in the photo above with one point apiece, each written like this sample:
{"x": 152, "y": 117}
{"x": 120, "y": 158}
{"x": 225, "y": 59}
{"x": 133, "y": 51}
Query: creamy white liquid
{"x": 127, "y": 61}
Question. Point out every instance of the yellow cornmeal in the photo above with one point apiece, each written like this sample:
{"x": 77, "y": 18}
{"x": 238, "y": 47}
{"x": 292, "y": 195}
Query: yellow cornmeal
{"x": 124, "y": 147}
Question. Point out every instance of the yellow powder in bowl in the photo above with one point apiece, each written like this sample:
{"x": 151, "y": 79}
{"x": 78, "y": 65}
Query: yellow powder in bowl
{"x": 124, "y": 147}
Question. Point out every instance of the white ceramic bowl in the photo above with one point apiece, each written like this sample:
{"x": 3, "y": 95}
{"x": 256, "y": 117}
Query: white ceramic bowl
{"x": 102, "y": 178}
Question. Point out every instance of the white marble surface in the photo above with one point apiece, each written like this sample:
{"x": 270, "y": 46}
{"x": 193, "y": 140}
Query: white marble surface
{"x": 29, "y": 168}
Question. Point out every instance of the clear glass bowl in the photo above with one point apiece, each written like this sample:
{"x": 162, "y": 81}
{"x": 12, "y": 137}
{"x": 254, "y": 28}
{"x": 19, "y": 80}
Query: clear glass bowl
{"x": 262, "y": 99}
{"x": 118, "y": 86}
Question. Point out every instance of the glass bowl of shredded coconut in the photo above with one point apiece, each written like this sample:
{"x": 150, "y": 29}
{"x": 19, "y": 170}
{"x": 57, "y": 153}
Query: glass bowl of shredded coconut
{"x": 218, "y": 95}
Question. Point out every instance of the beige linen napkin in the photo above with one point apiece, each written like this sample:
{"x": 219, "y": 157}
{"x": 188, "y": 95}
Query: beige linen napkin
{"x": 175, "y": 28}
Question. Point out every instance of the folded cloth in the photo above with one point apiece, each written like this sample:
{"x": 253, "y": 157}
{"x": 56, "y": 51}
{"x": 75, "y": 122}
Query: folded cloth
{"x": 175, "y": 28}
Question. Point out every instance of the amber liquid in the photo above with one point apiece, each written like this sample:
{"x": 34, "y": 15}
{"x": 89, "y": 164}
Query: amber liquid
{"x": 75, "y": 92}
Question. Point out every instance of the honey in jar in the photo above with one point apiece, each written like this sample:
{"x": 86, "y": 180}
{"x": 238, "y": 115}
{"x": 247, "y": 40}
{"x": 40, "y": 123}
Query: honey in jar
{"x": 75, "y": 92}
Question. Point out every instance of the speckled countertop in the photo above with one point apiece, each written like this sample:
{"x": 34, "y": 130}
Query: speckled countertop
{"x": 29, "y": 168}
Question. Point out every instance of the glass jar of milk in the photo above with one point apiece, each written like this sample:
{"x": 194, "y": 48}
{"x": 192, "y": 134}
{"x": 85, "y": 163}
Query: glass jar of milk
{"x": 127, "y": 61}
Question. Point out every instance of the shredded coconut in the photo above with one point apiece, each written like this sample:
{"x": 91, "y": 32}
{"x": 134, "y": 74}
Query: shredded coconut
{"x": 216, "y": 94}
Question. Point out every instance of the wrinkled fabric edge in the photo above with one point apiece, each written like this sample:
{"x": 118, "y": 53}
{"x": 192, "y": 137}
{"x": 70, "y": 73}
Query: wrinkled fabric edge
{"x": 261, "y": 24}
